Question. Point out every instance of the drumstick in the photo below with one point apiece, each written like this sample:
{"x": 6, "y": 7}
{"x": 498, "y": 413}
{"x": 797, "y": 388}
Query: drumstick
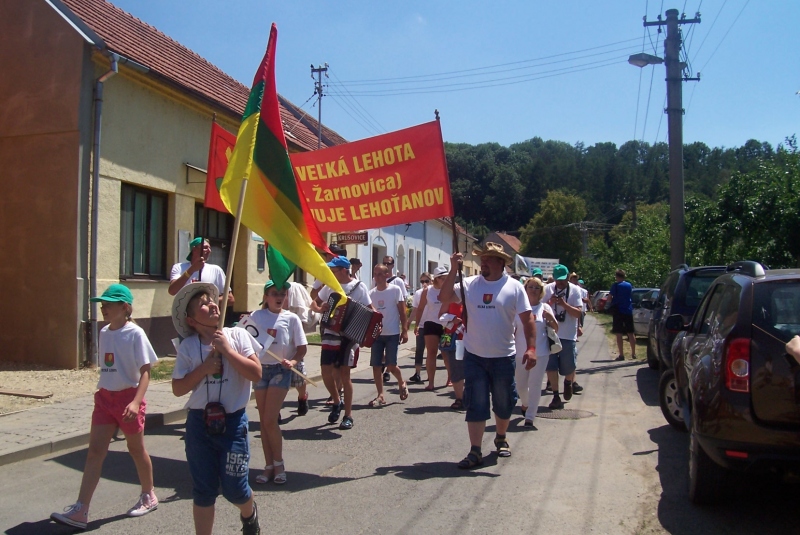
{"x": 276, "y": 357}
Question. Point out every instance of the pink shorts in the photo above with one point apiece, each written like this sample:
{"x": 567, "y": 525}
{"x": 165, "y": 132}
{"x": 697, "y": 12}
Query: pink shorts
{"x": 109, "y": 407}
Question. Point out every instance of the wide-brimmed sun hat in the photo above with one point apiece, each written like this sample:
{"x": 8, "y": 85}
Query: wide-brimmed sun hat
{"x": 440, "y": 271}
{"x": 493, "y": 249}
{"x": 181, "y": 302}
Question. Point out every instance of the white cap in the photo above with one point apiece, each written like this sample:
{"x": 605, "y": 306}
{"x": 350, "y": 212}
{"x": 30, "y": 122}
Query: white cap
{"x": 440, "y": 271}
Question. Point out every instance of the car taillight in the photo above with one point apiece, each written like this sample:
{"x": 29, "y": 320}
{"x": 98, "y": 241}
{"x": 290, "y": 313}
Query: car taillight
{"x": 737, "y": 365}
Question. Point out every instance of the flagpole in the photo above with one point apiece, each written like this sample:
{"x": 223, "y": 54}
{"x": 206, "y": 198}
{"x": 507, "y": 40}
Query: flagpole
{"x": 232, "y": 255}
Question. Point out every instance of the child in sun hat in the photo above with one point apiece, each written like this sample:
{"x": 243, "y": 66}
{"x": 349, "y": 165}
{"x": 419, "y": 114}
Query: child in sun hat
{"x": 126, "y": 356}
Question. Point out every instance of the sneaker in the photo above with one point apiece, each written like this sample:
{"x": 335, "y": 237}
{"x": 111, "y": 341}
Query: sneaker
{"x": 147, "y": 502}
{"x": 386, "y": 377}
{"x": 528, "y": 423}
{"x": 336, "y": 411}
{"x": 576, "y": 388}
{"x": 347, "y": 423}
{"x": 567, "y": 390}
{"x": 250, "y": 525}
{"x": 556, "y": 403}
{"x": 415, "y": 378}
{"x": 76, "y": 515}
{"x": 302, "y": 406}
{"x": 620, "y": 358}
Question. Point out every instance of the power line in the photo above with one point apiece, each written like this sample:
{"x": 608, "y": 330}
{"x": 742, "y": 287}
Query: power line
{"x": 371, "y": 119}
{"x": 368, "y": 130}
{"x": 711, "y": 28}
{"x": 726, "y": 35}
{"x": 421, "y": 77}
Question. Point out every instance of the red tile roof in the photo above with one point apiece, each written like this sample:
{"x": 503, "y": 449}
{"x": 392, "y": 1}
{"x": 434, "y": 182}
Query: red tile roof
{"x": 513, "y": 241}
{"x": 134, "y": 39}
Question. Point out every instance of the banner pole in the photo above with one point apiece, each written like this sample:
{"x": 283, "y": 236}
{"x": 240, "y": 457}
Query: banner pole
{"x": 232, "y": 255}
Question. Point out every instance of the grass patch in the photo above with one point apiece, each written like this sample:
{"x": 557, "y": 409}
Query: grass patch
{"x": 162, "y": 370}
{"x": 314, "y": 338}
{"x": 605, "y": 321}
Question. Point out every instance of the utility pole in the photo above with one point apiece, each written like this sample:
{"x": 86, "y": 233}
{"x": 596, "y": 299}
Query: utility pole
{"x": 672, "y": 48}
{"x": 318, "y": 91}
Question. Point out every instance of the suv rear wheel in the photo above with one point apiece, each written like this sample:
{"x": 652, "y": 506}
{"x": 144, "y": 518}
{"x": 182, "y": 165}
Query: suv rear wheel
{"x": 667, "y": 392}
{"x": 705, "y": 476}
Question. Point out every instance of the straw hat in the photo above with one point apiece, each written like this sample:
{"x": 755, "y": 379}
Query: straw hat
{"x": 493, "y": 249}
{"x": 181, "y": 302}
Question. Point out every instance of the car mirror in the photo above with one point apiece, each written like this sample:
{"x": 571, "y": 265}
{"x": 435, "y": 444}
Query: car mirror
{"x": 675, "y": 323}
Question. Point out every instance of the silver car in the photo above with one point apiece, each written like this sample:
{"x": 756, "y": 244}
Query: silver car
{"x": 643, "y": 312}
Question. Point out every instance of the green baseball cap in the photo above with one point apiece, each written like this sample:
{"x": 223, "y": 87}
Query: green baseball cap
{"x": 116, "y": 293}
{"x": 270, "y": 283}
{"x": 580, "y": 281}
{"x": 537, "y": 271}
{"x": 560, "y": 272}
{"x": 192, "y": 244}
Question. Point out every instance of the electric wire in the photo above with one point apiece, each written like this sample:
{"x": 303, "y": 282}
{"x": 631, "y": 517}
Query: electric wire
{"x": 710, "y": 29}
{"x": 291, "y": 130}
{"x": 726, "y": 35}
{"x": 364, "y": 112}
{"x": 356, "y": 119}
{"x": 436, "y": 75}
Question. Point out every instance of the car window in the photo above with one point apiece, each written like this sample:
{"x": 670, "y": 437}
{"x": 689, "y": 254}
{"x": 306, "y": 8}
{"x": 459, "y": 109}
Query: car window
{"x": 696, "y": 287}
{"x": 697, "y": 319}
{"x": 728, "y": 311}
{"x": 709, "y": 315}
{"x": 776, "y": 308}
{"x": 668, "y": 289}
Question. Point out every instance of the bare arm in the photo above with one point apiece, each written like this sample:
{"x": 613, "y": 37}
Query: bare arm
{"x": 446, "y": 294}
{"x": 529, "y": 328}
{"x": 248, "y": 367}
{"x": 132, "y": 410}
{"x": 401, "y": 308}
{"x": 185, "y": 385}
{"x": 423, "y": 300}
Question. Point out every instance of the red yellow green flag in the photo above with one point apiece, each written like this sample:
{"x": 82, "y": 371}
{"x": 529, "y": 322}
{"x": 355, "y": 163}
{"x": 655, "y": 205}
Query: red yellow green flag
{"x": 273, "y": 207}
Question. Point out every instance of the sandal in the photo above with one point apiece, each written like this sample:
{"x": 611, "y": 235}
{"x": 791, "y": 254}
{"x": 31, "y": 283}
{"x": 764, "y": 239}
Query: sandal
{"x": 263, "y": 478}
{"x": 457, "y": 405}
{"x": 429, "y": 388}
{"x": 503, "y": 449}
{"x": 377, "y": 402}
{"x": 279, "y": 479}
{"x": 404, "y": 392}
{"x": 472, "y": 460}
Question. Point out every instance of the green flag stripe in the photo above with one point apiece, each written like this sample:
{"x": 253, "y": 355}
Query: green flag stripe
{"x": 254, "y": 100}
{"x": 270, "y": 156}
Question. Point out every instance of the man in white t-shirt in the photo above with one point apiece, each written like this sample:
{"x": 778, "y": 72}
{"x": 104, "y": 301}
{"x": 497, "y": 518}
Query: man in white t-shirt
{"x": 566, "y": 300}
{"x": 336, "y": 250}
{"x": 388, "y": 300}
{"x": 492, "y": 301}
{"x": 388, "y": 261}
{"x": 339, "y": 353}
{"x": 197, "y": 269}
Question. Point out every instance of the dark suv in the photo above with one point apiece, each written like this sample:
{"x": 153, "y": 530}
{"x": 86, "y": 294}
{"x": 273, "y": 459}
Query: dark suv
{"x": 736, "y": 389}
{"x": 680, "y": 294}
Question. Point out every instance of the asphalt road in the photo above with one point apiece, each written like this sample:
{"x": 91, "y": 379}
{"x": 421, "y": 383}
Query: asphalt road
{"x": 620, "y": 469}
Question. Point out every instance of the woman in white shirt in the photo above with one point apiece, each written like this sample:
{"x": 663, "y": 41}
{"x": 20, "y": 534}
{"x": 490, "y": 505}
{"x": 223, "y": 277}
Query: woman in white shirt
{"x": 427, "y": 316}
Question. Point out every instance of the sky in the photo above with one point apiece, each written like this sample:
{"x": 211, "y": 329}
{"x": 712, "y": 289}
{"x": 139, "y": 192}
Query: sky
{"x": 506, "y": 71}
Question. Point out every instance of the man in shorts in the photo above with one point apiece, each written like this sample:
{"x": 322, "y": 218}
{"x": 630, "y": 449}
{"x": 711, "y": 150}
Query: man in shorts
{"x": 622, "y": 308}
{"x": 339, "y": 353}
{"x": 388, "y": 300}
{"x": 566, "y": 301}
{"x": 492, "y": 301}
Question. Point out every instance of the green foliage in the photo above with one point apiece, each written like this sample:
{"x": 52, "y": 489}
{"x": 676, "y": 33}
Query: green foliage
{"x": 552, "y": 232}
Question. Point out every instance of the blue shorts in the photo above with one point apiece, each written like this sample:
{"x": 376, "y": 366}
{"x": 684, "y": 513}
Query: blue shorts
{"x": 566, "y": 360}
{"x": 484, "y": 376}
{"x": 219, "y": 460}
{"x": 388, "y": 344}
{"x": 275, "y": 376}
{"x": 456, "y": 366}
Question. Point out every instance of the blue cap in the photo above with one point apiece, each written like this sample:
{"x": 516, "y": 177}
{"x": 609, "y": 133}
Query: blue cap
{"x": 340, "y": 262}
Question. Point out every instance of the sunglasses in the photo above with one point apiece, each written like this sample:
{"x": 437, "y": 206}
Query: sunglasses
{"x": 388, "y": 263}
{"x": 426, "y": 281}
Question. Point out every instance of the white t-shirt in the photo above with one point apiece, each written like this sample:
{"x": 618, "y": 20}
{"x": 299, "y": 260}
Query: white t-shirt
{"x": 210, "y": 273}
{"x": 123, "y": 352}
{"x": 285, "y": 329}
{"x": 567, "y": 329}
{"x": 542, "y": 345}
{"x": 385, "y": 302}
{"x": 355, "y": 290}
{"x": 415, "y": 299}
{"x": 235, "y": 390}
{"x": 432, "y": 307}
{"x": 491, "y": 309}
{"x": 584, "y": 295}
{"x": 400, "y": 283}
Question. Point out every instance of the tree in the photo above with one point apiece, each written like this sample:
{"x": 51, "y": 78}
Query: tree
{"x": 553, "y": 231}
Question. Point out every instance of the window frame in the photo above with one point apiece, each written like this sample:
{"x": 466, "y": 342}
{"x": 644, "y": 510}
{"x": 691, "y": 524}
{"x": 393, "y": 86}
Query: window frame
{"x": 132, "y": 190}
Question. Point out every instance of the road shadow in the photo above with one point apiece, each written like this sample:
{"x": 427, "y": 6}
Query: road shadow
{"x": 322, "y": 432}
{"x": 296, "y": 482}
{"x": 49, "y": 527}
{"x": 610, "y": 367}
{"x": 753, "y": 503}
{"x": 647, "y": 382}
{"x": 437, "y": 470}
{"x": 431, "y": 409}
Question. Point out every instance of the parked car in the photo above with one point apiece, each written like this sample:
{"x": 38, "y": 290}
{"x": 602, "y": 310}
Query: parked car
{"x": 637, "y": 294}
{"x": 644, "y": 312}
{"x": 597, "y": 296}
{"x": 736, "y": 389}
{"x": 680, "y": 294}
{"x": 601, "y": 303}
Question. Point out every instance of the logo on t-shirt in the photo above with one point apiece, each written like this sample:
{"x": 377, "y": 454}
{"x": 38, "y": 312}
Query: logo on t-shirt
{"x": 487, "y": 298}
{"x": 109, "y": 360}
{"x": 380, "y": 303}
{"x": 272, "y": 332}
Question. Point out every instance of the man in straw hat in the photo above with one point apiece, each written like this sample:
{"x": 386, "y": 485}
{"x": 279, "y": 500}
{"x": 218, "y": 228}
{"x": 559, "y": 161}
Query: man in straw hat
{"x": 493, "y": 299}
{"x": 198, "y": 269}
{"x": 218, "y": 368}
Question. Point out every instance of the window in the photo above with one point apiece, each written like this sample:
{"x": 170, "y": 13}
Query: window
{"x": 218, "y": 231}
{"x": 143, "y": 241}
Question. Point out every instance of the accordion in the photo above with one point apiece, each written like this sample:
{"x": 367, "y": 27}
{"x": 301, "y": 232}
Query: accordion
{"x": 353, "y": 320}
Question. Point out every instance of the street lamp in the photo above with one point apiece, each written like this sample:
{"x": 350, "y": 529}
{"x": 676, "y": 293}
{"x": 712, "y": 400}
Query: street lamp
{"x": 642, "y": 60}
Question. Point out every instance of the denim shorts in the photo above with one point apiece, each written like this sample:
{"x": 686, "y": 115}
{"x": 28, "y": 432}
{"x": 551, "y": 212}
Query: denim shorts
{"x": 275, "y": 376}
{"x": 218, "y": 460}
{"x": 456, "y": 366}
{"x": 387, "y": 344}
{"x": 484, "y": 376}
{"x": 566, "y": 360}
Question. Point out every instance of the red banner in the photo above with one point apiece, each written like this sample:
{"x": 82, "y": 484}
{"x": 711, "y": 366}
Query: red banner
{"x": 391, "y": 179}
{"x": 219, "y": 152}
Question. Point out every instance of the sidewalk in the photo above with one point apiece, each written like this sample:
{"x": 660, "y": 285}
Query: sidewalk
{"x": 45, "y": 430}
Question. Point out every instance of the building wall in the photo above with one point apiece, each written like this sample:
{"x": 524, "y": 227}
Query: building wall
{"x": 42, "y": 64}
